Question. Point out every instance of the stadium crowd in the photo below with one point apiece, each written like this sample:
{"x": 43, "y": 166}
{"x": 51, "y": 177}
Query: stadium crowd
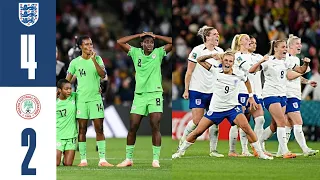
{"x": 265, "y": 20}
{"x": 105, "y": 22}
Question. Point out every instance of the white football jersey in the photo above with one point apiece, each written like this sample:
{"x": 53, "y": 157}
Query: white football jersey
{"x": 255, "y": 78}
{"x": 293, "y": 86}
{"x": 201, "y": 79}
{"x": 243, "y": 63}
{"x": 225, "y": 95}
{"x": 275, "y": 73}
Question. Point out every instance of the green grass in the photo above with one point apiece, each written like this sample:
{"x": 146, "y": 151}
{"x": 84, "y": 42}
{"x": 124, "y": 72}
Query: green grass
{"x": 196, "y": 164}
{"x": 115, "y": 152}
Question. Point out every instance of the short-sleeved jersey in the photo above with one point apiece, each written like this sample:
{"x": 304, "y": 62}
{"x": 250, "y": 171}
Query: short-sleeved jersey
{"x": 87, "y": 77}
{"x": 293, "y": 86}
{"x": 275, "y": 73}
{"x": 255, "y": 78}
{"x": 148, "y": 69}
{"x": 66, "y": 125}
{"x": 243, "y": 62}
{"x": 225, "y": 95}
{"x": 201, "y": 79}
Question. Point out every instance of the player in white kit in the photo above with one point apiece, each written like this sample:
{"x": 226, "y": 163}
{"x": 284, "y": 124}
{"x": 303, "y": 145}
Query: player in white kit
{"x": 294, "y": 98}
{"x": 198, "y": 85}
{"x": 224, "y": 103}
{"x": 277, "y": 72}
{"x": 241, "y": 44}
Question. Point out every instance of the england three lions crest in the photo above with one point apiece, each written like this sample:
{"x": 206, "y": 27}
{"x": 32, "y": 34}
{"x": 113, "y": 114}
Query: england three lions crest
{"x": 28, "y": 13}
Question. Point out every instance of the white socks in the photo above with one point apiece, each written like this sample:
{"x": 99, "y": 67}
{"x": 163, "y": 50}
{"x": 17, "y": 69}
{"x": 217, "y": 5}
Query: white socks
{"x": 244, "y": 141}
{"x": 258, "y": 127}
{"x": 267, "y": 133}
{"x": 282, "y": 138}
{"x": 257, "y": 147}
{"x": 299, "y": 135}
{"x": 213, "y": 136}
{"x": 184, "y": 146}
{"x": 233, "y": 135}
{"x": 189, "y": 128}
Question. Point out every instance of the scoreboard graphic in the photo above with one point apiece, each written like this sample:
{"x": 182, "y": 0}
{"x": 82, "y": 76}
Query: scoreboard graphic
{"x": 27, "y": 89}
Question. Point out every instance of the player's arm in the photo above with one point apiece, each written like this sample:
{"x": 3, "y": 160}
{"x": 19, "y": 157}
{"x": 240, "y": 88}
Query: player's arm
{"x": 71, "y": 71}
{"x": 251, "y": 100}
{"x": 257, "y": 67}
{"x": 202, "y": 61}
{"x": 123, "y": 42}
{"x": 302, "y": 69}
{"x": 101, "y": 72}
{"x": 167, "y": 47}
{"x": 310, "y": 82}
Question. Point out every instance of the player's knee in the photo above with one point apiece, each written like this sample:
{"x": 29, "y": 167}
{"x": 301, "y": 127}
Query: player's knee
{"x": 134, "y": 128}
{"x": 99, "y": 130}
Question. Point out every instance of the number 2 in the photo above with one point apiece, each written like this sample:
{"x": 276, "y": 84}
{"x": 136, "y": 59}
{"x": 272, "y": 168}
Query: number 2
{"x": 28, "y": 54}
{"x": 26, "y": 133}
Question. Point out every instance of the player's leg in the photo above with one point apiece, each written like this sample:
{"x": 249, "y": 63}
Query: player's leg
{"x": 203, "y": 125}
{"x": 197, "y": 103}
{"x": 296, "y": 121}
{"x": 241, "y": 121}
{"x": 213, "y": 133}
{"x": 69, "y": 153}
{"x": 138, "y": 110}
{"x": 243, "y": 136}
{"x": 96, "y": 113}
{"x": 82, "y": 117}
{"x": 277, "y": 113}
{"x": 155, "y": 118}
{"x": 68, "y": 157}
{"x": 58, "y": 159}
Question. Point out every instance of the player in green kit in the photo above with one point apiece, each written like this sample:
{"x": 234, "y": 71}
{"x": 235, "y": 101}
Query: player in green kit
{"x": 89, "y": 69}
{"x": 66, "y": 125}
{"x": 148, "y": 98}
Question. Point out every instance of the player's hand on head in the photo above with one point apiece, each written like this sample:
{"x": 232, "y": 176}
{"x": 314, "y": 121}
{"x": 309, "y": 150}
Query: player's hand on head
{"x": 306, "y": 60}
{"x": 149, "y": 34}
{"x": 185, "y": 94}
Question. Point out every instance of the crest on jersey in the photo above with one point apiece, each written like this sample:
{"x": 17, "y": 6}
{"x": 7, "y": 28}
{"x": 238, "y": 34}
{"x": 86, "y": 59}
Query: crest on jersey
{"x": 295, "y": 105}
{"x": 239, "y": 59}
{"x": 209, "y": 113}
{"x": 28, "y": 13}
{"x": 153, "y": 56}
{"x": 235, "y": 82}
{"x": 198, "y": 101}
{"x": 242, "y": 99}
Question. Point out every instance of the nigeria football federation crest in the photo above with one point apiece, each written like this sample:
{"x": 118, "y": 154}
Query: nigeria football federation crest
{"x": 28, "y": 13}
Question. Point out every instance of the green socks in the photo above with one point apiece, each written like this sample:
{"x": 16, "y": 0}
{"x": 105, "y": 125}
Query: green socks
{"x": 129, "y": 151}
{"x": 102, "y": 149}
{"x": 83, "y": 150}
{"x": 156, "y": 152}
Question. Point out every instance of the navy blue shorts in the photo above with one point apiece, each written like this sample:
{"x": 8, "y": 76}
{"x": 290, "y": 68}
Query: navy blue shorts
{"x": 274, "y": 99}
{"x": 199, "y": 100}
{"x": 293, "y": 105}
{"x": 218, "y": 117}
{"x": 243, "y": 98}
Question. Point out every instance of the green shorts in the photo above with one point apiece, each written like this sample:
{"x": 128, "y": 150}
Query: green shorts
{"x": 66, "y": 144}
{"x": 90, "y": 110}
{"x": 145, "y": 103}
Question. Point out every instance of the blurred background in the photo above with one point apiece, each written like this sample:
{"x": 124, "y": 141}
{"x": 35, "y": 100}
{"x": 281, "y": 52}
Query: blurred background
{"x": 105, "y": 21}
{"x": 264, "y": 19}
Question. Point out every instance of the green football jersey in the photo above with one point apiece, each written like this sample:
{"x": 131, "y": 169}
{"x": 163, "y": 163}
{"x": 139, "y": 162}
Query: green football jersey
{"x": 87, "y": 77}
{"x": 148, "y": 69}
{"x": 66, "y": 124}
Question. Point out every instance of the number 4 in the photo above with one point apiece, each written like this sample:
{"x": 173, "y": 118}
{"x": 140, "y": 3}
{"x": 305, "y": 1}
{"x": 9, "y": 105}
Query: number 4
{"x": 28, "y": 54}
